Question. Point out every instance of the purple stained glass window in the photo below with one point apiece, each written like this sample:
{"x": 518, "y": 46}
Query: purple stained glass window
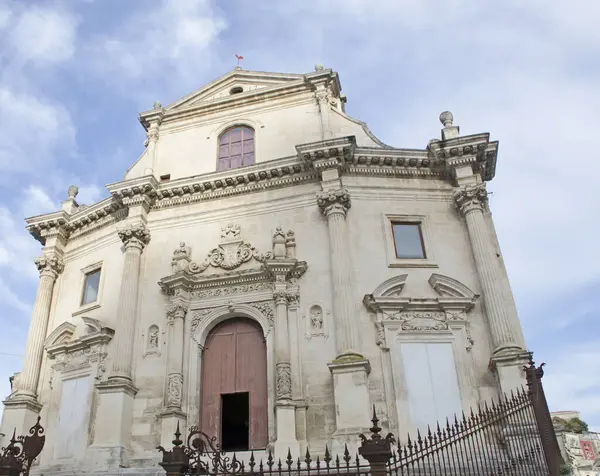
{"x": 236, "y": 148}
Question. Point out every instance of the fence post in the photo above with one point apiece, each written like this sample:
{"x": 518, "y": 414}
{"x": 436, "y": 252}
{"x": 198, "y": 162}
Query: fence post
{"x": 176, "y": 461}
{"x": 377, "y": 450}
{"x": 543, "y": 419}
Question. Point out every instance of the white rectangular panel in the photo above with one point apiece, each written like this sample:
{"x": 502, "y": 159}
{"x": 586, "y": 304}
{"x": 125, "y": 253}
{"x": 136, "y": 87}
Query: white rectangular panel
{"x": 73, "y": 417}
{"x": 444, "y": 381}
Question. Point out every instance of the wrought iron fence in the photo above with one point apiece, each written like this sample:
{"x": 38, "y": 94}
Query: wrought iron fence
{"x": 20, "y": 453}
{"x": 511, "y": 437}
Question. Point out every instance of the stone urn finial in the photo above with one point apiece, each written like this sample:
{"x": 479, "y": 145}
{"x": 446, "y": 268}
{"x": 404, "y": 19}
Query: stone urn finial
{"x": 72, "y": 192}
{"x": 157, "y": 105}
{"x": 446, "y": 118}
{"x": 318, "y": 67}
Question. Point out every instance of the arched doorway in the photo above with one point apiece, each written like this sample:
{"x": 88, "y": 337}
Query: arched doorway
{"x": 233, "y": 404}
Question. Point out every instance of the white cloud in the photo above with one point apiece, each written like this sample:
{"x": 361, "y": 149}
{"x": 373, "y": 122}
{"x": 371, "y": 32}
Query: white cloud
{"x": 10, "y": 299}
{"x": 44, "y": 36}
{"x": 33, "y": 130}
{"x": 37, "y": 202}
{"x": 17, "y": 249}
{"x": 170, "y": 42}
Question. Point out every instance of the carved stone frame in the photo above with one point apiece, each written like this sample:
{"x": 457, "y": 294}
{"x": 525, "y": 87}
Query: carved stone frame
{"x": 440, "y": 319}
{"x": 69, "y": 357}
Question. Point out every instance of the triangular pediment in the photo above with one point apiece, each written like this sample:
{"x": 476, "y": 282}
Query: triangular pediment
{"x": 236, "y": 83}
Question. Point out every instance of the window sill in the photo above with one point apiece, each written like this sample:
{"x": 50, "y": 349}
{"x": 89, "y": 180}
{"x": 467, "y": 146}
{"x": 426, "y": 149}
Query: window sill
{"x": 87, "y": 308}
{"x": 412, "y": 263}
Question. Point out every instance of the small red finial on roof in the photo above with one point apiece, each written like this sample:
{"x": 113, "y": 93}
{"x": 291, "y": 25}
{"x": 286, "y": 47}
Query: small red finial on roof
{"x": 239, "y": 57}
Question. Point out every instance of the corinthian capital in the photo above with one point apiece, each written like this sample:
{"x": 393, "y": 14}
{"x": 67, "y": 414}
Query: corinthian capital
{"x": 49, "y": 265}
{"x": 470, "y": 198}
{"x": 135, "y": 235}
{"x": 334, "y": 201}
{"x": 176, "y": 310}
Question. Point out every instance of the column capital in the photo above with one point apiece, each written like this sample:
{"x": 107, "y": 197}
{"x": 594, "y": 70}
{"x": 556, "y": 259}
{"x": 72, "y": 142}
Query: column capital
{"x": 136, "y": 236}
{"x": 49, "y": 265}
{"x": 470, "y": 198}
{"x": 334, "y": 201}
{"x": 280, "y": 297}
{"x": 176, "y": 310}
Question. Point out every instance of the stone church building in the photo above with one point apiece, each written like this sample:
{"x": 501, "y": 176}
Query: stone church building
{"x": 268, "y": 270}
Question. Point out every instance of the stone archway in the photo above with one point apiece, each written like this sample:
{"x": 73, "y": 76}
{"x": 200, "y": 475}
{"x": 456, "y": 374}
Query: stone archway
{"x": 235, "y": 365}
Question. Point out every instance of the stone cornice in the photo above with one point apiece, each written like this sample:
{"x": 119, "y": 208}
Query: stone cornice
{"x": 137, "y": 191}
{"x": 42, "y": 226}
{"x": 475, "y": 150}
{"x": 327, "y": 154}
{"x": 261, "y": 176}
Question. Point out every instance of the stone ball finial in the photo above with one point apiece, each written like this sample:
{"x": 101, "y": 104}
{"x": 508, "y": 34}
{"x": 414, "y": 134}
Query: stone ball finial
{"x": 157, "y": 105}
{"x": 318, "y": 67}
{"x": 446, "y": 118}
{"x": 73, "y": 191}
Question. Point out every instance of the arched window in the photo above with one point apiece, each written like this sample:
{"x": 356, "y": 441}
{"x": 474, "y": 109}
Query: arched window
{"x": 236, "y": 148}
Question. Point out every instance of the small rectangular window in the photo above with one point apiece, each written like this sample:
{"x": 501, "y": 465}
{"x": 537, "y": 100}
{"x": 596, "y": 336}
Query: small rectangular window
{"x": 165, "y": 178}
{"x": 90, "y": 287}
{"x": 408, "y": 240}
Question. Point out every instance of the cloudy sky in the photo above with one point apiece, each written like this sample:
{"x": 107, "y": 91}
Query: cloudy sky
{"x": 75, "y": 73}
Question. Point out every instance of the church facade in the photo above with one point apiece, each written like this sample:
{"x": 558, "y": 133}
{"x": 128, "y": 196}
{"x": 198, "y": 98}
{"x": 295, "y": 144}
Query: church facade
{"x": 268, "y": 270}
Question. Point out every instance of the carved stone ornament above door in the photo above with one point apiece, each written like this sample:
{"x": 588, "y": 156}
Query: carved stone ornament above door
{"x": 233, "y": 268}
{"x": 417, "y": 315}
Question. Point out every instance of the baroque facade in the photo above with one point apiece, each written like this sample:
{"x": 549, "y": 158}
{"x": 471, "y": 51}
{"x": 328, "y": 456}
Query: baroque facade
{"x": 269, "y": 270}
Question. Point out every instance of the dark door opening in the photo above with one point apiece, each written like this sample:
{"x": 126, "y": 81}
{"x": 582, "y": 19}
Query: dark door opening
{"x": 235, "y": 416}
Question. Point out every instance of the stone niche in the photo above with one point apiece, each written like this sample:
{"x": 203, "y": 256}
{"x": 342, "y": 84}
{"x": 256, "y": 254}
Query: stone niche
{"x": 77, "y": 354}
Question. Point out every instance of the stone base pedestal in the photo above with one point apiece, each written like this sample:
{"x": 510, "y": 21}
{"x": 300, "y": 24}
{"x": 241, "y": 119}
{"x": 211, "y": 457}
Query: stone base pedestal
{"x": 352, "y": 403}
{"x": 170, "y": 417}
{"x": 114, "y": 418}
{"x": 508, "y": 367}
{"x": 285, "y": 421}
{"x": 301, "y": 424}
{"x": 20, "y": 414}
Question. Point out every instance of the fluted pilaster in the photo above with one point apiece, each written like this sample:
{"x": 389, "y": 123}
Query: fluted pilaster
{"x": 134, "y": 238}
{"x": 471, "y": 201}
{"x": 50, "y": 267}
{"x": 334, "y": 205}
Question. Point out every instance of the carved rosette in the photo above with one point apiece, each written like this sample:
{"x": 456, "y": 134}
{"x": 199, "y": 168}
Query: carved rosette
{"x": 471, "y": 198}
{"x": 334, "y": 201}
{"x": 174, "y": 390}
{"x": 136, "y": 236}
{"x": 284, "y": 381}
{"x": 178, "y": 310}
{"x": 49, "y": 265}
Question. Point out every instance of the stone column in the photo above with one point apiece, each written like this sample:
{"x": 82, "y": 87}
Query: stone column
{"x": 49, "y": 267}
{"x": 134, "y": 239}
{"x": 172, "y": 415}
{"x": 335, "y": 205}
{"x": 471, "y": 202}
{"x": 115, "y": 403}
{"x": 349, "y": 369}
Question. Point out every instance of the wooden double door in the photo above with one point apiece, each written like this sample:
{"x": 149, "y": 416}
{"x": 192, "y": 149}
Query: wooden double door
{"x": 234, "y": 385}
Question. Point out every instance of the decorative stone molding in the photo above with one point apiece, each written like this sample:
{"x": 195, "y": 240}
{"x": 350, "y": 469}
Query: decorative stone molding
{"x": 135, "y": 192}
{"x": 265, "y": 307}
{"x": 280, "y": 297}
{"x": 470, "y": 198}
{"x": 134, "y": 235}
{"x": 232, "y": 262}
{"x": 267, "y": 310}
{"x": 327, "y": 154}
{"x": 284, "y": 381}
{"x": 316, "y": 322}
{"x": 475, "y": 150}
{"x": 230, "y": 254}
{"x": 72, "y": 353}
{"x": 49, "y": 265}
{"x": 174, "y": 390}
{"x": 421, "y": 314}
{"x": 337, "y": 200}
